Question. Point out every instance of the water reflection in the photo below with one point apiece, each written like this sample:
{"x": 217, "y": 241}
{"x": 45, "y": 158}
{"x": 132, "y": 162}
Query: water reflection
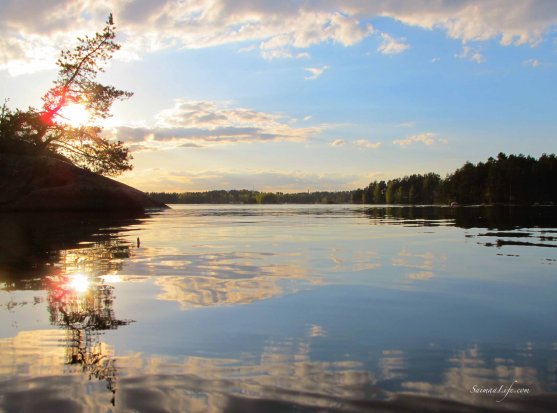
{"x": 36, "y": 245}
{"x": 285, "y": 376}
{"x": 421, "y": 266}
{"x": 200, "y": 291}
{"x": 295, "y": 309}
{"x": 509, "y": 225}
{"x": 497, "y": 217}
{"x": 83, "y": 306}
{"x": 38, "y": 255}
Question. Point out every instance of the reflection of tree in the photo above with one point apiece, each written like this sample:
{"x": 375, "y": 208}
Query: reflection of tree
{"x": 66, "y": 254}
{"x": 83, "y": 351}
{"x": 500, "y": 217}
{"x": 33, "y": 245}
{"x": 99, "y": 258}
{"x": 84, "y": 308}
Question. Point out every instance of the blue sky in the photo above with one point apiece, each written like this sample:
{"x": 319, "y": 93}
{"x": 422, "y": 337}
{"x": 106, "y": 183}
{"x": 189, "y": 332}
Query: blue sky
{"x": 298, "y": 95}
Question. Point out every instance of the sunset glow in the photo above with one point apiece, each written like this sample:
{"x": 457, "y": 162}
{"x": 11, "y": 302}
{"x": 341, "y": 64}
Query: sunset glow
{"x": 315, "y": 95}
{"x": 259, "y": 205}
{"x": 74, "y": 114}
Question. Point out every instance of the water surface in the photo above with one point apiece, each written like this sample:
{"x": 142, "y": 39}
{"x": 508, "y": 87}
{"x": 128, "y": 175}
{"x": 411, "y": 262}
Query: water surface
{"x": 279, "y": 308}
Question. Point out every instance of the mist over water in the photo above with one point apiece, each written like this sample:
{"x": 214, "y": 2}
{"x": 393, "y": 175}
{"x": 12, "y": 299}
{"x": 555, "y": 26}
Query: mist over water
{"x": 279, "y": 308}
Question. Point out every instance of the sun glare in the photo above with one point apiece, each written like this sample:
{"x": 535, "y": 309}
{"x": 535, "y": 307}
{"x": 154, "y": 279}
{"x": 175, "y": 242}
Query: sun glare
{"x": 79, "y": 283}
{"x": 74, "y": 114}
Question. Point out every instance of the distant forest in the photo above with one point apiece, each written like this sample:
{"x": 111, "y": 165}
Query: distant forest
{"x": 513, "y": 179}
{"x": 245, "y": 196}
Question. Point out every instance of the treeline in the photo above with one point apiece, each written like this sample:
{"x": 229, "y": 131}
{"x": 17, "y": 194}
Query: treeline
{"x": 413, "y": 189}
{"x": 245, "y": 196}
{"x": 515, "y": 179}
{"x": 507, "y": 179}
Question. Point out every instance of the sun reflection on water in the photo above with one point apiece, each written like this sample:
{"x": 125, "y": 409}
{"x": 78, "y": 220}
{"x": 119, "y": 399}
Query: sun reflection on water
{"x": 111, "y": 278}
{"x": 313, "y": 350}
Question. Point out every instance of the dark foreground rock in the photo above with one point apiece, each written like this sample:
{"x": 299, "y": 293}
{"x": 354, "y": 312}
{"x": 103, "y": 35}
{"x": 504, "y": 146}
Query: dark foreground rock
{"x": 35, "y": 183}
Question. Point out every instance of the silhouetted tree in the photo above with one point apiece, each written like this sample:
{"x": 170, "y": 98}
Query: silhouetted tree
{"x": 46, "y": 129}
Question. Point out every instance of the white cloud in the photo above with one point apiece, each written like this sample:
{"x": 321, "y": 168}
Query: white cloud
{"x": 408, "y": 124}
{"x": 435, "y": 59}
{"x": 532, "y": 62}
{"x": 205, "y": 123}
{"x": 30, "y": 35}
{"x": 477, "y": 20}
{"x": 391, "y": 45}
{"x": 470, "y": 54}
{"x": 426, "y": 138}
{"x": 338, "y": 142}
{"x": 315, "y": 72}
{"x": 283, "y": 54}
{"x": 364, "y": 143}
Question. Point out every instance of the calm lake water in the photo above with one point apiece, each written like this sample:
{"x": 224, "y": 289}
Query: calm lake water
{"x": 279, "y": 308}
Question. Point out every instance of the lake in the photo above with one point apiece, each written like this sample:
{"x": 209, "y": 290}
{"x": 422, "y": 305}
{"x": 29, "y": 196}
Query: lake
{"x": 237, "y": 308}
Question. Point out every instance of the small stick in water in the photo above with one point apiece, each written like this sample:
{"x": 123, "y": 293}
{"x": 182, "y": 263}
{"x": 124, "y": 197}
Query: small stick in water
{"x": 138, "y": 242}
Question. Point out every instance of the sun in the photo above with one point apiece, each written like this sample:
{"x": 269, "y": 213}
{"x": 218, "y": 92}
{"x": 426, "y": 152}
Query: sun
{"x": 74, "y": 114}
{"x": 79, "y": 283}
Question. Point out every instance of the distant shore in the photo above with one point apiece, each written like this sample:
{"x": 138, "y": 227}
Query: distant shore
{"x": 504, "y": 180}
{"x": 249, "y": 197}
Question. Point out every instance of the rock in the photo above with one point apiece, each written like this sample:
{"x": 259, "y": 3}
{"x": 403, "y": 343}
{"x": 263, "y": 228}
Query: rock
{"x": 35, "y": 183}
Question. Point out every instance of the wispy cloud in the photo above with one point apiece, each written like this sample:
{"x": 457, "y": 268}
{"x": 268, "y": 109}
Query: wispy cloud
{"x": 408, "y": 124}
{"x": 435, "y": 59}
{"x": 426, "y": 138}
{"x": 270, "y": 54}
{"x": 205, "y": 123}
{"x": 338, "y": 142}
{"x": 469, "y": 53}
{"x": 392, "y": 46}
{"x": 532, "y": 63}
{"x": 364, "y": 143}
{"x": 315, "y": 72}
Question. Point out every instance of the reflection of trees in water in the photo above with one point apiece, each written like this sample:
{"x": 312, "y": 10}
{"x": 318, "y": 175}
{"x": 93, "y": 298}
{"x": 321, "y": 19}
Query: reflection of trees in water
{"x": 97, "y": 259}
{"x": 78, "y": 301}
{"x": 66, "y": 254}
{"x": 100, "y": 258}
{"x": 33, "y": 245}
{"x": 500, "y": 217}
{"x": 502, "y": 221}
{"x": 83, "y": 306}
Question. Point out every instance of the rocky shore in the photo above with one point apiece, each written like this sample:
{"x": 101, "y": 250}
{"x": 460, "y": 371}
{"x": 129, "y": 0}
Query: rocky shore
{"x": 42, "y": 183}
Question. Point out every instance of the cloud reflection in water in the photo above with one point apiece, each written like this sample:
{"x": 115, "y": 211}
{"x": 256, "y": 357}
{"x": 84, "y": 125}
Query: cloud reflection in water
{"x": 345, "y": 337}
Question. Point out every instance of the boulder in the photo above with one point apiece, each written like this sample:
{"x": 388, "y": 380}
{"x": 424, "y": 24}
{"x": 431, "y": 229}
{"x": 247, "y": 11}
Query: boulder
{"x": 36, "y": 183}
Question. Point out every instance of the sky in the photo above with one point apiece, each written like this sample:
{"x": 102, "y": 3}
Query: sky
{"x": 296, "y": 95}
